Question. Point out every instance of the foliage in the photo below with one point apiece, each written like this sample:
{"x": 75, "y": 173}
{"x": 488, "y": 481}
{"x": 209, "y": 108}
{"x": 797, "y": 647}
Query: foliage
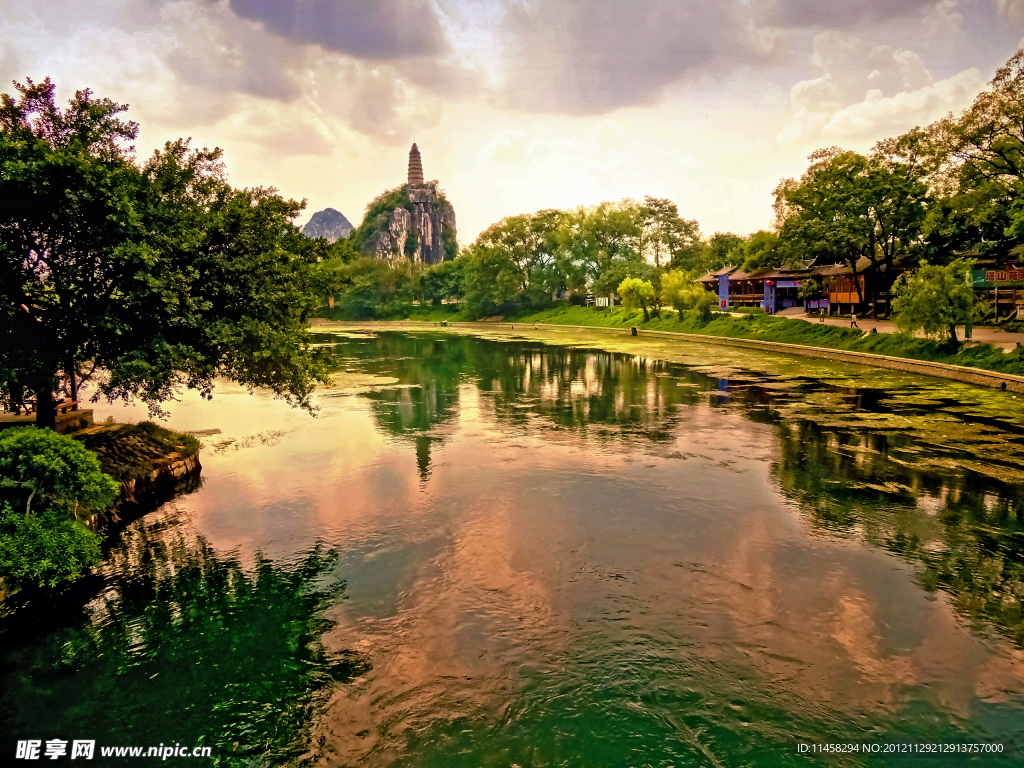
{"x": 715, "y": 253}
{"x": 44, "y": 549}
{"x": 759, "y": 251}
{"x": 682, "y": 292}
{"x": 160, "y": 274}
{"x": 444, "y": 281}
{"x": 666, "y": 236}
{"x": 636, "y": 294}
{"x": 811, "y": 288}
{"x": 851, "y": 208}
{"x": 590, "y": 241}
{"x": 46, "y": 482}
{"x": 513, "y": 261}
{"x": 51, "y": 470}
{"x": 935, "y": 299}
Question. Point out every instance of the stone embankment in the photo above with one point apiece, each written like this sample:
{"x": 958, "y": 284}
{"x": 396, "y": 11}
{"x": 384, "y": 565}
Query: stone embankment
{"x": 978, "y": 376}
{"x": 153, "y": 465}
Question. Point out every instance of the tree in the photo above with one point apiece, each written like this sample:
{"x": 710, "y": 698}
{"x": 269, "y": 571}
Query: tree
{"x": 981, "y": 174}
{"x": 935, "y": 299}
{"x": 52, "y": 470}
{"x": 47, "y": 481}
{"x": 367, "y": 286}
{"x": 636, "y": 293}
{"x": 665, "y": 236}
{"x": 161, "y": 274}
{"x": 851, "y": 208}
{"x": 715, "y": 253}
{"x": 759, "y": 251}
{"x": 444, "y": 281}
{"x": 682, "y": 292}
{"x": 811, "y": 288}
{"x": 592, "y": 240}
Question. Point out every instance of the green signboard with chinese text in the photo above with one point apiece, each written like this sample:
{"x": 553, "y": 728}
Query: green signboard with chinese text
{"x": 998, "y": 278}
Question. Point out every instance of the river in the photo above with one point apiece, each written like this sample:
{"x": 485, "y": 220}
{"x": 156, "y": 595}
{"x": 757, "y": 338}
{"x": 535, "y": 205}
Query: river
{"x": 556, "y": 549}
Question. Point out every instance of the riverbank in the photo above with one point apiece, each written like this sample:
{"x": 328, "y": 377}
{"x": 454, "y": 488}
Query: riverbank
{"x": 774, "y": 330}
{"x": 152, "y": 463}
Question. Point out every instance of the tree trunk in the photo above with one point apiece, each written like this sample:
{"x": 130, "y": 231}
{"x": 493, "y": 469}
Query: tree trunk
{"x": 73, "y": 383}
{"x": 46, "y": 414}
{"x": 952, "y": 333}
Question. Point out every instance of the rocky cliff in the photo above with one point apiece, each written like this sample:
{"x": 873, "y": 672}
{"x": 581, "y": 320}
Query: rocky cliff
{"x": 328, "y": 223}
{"x": 414, "y": 222}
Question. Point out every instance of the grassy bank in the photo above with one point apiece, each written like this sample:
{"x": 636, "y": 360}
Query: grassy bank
{"x": 791, "y": 331}
{"x": 753, "y": 326}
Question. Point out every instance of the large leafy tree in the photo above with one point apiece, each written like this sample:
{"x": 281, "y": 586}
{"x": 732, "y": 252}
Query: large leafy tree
{"x": 594, "y": 240}
{"x": 668, "y": 238}
{"x": 714, "y": 254}
{"x": 514, "y": 260}
{"x": 981, "y": 178}
{"x": 160, "y": 274}
{"x": 853, "y": 208}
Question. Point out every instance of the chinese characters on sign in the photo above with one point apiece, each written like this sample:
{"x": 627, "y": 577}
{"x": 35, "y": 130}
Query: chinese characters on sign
{"x": 54, "y": 748}
{"x": 993, "y": 276}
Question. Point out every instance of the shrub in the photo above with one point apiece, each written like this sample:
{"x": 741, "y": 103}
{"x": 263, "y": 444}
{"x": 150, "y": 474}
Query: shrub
{"x": 47, "y": 481}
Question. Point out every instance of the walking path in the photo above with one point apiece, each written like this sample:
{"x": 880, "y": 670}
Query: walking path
{"x": 994, "y": 336}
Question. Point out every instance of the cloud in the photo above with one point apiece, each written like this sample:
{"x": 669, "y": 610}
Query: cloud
{"x": 867, "y": 90}
{"x": 1013, "y": 9}
{"x": 380, "y": 30}
{"x": 577, "y": 57}
{"x": 845, "y": 13}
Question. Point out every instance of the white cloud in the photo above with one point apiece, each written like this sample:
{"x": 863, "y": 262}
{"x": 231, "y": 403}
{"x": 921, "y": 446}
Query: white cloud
{"x": 867, "y": 91}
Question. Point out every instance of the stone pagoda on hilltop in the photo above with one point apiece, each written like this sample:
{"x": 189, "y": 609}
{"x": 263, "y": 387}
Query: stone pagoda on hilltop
{"x": 415, "y": 167}
{"x": 415, "y": 221}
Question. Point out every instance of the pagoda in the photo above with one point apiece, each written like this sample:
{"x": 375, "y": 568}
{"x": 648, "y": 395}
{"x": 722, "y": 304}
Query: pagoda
{"x": 415, "y": 167}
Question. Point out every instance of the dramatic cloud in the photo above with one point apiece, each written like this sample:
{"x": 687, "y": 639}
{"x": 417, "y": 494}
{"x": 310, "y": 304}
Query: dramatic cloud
{"x": 519, "y": 104}
{"x": 592, "y": 56}
{"x": 866, "y": 90}
{"x": 367, "y": 29}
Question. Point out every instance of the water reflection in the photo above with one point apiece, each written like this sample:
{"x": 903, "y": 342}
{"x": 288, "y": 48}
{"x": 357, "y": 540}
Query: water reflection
{"x": 841, "y": 455}
{"x": 964, "y": 530}
{"x": 184, "y": 645}
{"x": 562, "y": 555}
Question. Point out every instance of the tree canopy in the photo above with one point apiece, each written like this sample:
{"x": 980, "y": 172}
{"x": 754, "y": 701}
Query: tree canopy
{"x": 935, "y": 299}
{"x": 160, "y": 274}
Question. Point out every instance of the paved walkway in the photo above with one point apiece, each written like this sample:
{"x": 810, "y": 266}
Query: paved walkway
{"x": 993, "y": 336}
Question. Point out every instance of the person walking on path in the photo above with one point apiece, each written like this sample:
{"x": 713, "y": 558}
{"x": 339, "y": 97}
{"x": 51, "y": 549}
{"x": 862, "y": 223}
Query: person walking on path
{"x": 853, "y": 321}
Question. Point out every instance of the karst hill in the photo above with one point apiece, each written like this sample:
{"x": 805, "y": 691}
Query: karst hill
{"x": 414, "y": 221}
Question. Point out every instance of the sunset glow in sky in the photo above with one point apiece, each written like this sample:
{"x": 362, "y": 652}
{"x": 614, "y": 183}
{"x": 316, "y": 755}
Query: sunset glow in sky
{"x": 519, "y": 105}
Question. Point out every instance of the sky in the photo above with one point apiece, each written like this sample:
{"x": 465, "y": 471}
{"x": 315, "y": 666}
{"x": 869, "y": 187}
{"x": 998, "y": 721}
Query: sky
{"x": 519, "y": 105}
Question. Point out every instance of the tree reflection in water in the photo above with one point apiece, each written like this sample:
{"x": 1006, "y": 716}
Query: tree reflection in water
{"x": 966, "y": 531}
{"x": 185, "y": 645}
{"x": 893, "y": 488}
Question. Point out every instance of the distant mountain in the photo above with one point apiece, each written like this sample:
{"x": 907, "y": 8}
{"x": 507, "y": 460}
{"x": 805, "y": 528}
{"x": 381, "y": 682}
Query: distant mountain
{"x": 328, "y": 223}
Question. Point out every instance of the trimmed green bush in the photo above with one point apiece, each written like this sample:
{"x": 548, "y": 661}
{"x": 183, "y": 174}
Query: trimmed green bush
{"x": 48, "y": 482}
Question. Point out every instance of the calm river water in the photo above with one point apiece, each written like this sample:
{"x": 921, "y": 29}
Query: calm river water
{"x": 556, "y": 550}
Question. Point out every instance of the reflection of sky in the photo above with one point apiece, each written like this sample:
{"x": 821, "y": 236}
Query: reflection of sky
{"x": 525, "y": 539}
